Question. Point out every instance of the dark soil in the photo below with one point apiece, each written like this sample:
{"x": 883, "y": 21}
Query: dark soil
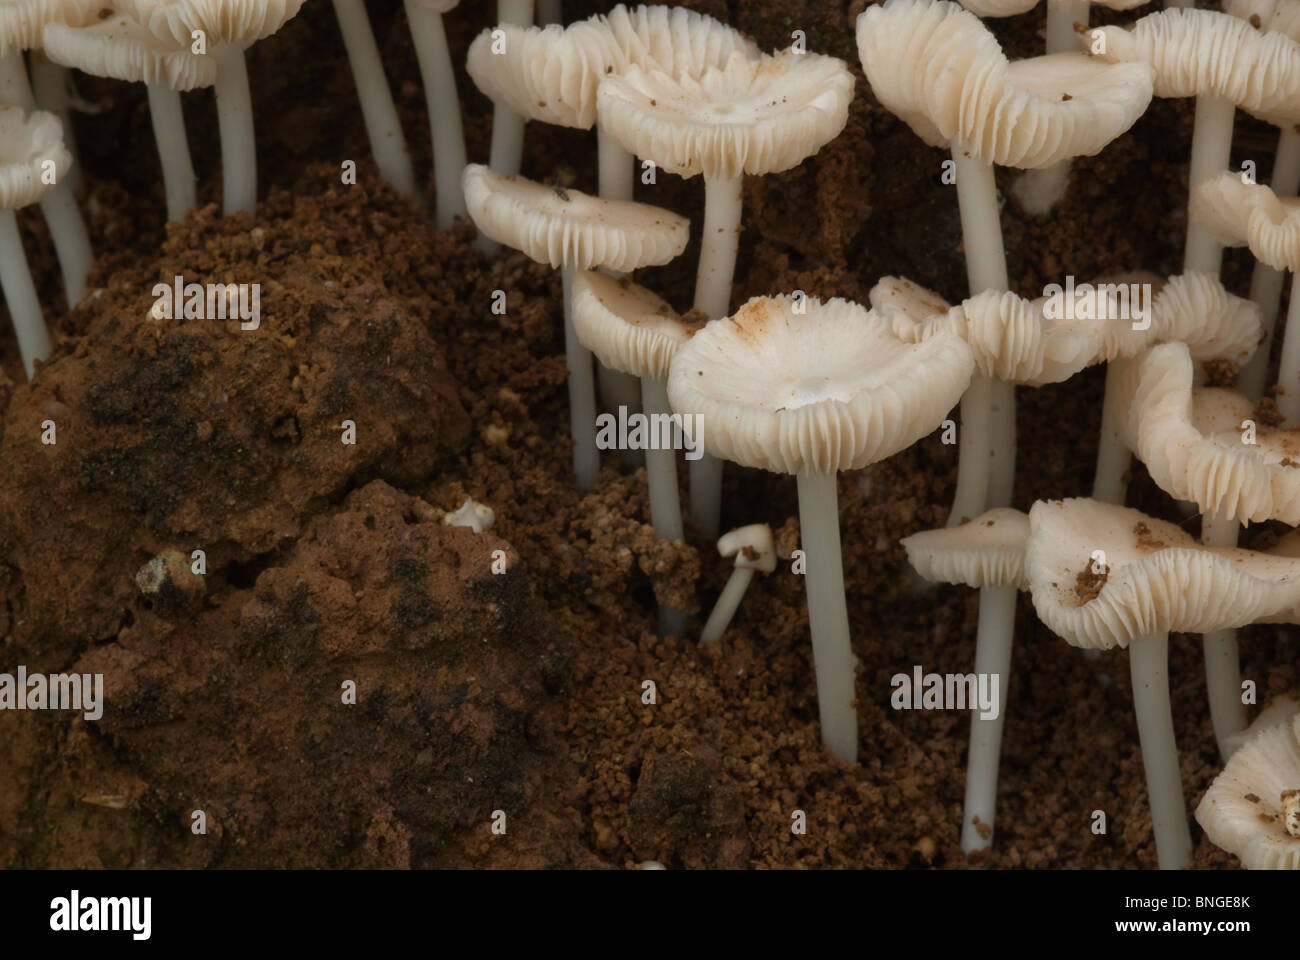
{"x": 524, "y": 692}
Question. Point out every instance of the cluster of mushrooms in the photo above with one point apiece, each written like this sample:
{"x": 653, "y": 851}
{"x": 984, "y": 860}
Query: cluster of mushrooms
{"x": 797, "y": 385}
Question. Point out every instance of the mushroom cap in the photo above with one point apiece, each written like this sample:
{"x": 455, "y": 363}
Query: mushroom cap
{"x": 1015, "y": 339}
{"x": 26, "y": 144}
{"x": 120, "y": 47}
{"x": 753, "y": 116}
{"x": 828, "y": 388}
{"x": 1239, "y": 213}
{"x": 552, "y": 73}
{"x": 238, "y": 22}
{"x": 1241, "y": 811}
{"x": 569, "y": 228}
{"x": 22, "y": 21}
{"x": 1013, "y": 8}
{"x": 1281, "y": 16}
{"x": 1191, "y": 440}
{"x": 988, "y": 551}
{"x": 1279, "y": 711}
{"x": 627, "y": 327}
{"x": 1157, "y": 577}
{"x": 753, "y": 547}
{"x": 1207, "y": 53}
{"x": 939, "y": 69}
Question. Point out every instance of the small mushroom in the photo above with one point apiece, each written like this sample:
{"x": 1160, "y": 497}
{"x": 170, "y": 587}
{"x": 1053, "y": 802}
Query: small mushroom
{"x": 1225, "y": 63}
{"x": 812, "y": 388}
{"x": 27, "y": 143}
{"x": 119, "y": 47}
{"x": 1237, "y": 214}
{"x": 230, "y": 27}
{"x": 477, "y": 516}
{"x": 938, "y": 68}
{"x": 21, "y": 24}
{"x": 748, "y": 116}
{"x": 573, "y": 231}
{"x": 1154, "y": 579}
{"x": 754, "y": 550}
{"x": 987, "y": 553}
{"x": 1252, "y": 809}
{"x": 1191, "y": 440}
{"x": 633, "y": 331}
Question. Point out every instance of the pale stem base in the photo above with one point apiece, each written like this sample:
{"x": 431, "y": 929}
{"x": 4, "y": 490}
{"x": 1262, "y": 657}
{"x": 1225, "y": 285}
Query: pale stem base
{"x": 1113, "y": 457}
{"x": 173, "y": 150}
{"x": 661, "y": 478}
{"x": 1266, "y": 283}
{"x": 1149, "y": 669}
{"x": 719, "y": 242}
{"x": 1288, "y": 372}
{"x": 993, "y": 644}
{"x": 828, "y": 615}
{"x": 728, "y": 603}
{"x": 235, "y": 122}
{"x": 1211, "y": 146}
{"x": 378, "y": 112}
{"x": 430, "y": 38}
{"x": 71, "y": 242}
{"x": 582, "y": 395}
{"x": 1222, "y": 658}
{"x": 20, "y": 296}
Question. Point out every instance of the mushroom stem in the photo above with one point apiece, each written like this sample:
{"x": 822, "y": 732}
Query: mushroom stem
{"x": 661, "y": 478}
{"x": 387, "y": 143}
{"x": 828, "y": 615}
{"x": 1222, "y": 659}
{"x": 993, "y": 658}
{"x": 582, "y": 395}
{"x": 50, "y": 88}
{"x": 1288, "y": 371}
{"x": 986, "y": 269}
{"x": 1113, "y": 457}
{"x": 507, "y": 126}
{"x": 728, "y": 603}
{"x": 1149, "y": 669}
{"x": 71, "y": 243}
{"x": 14, "y": 86}
{"x": 1211, "y": 147}
{"x": 1062, "y": 15}
{"x": 1266, "y": 283}
{"x": 173, "y": 150}
{"x": 440, "y": 94}
{"x": 719, "y": 241}
{"x": 59, "y": 206}
{"x": 550, "y": 11}
{"x": 616, "y": 175}
{"x": 235, "y": 122}
{"x": 20, "y": 295}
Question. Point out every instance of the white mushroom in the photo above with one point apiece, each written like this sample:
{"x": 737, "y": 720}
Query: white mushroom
{"x": 228, "y": 28}
{"x": 115, "y": 45}
{"x": 754, "y": 550}
{"x": 477, "y": 516}
{"x": 1251, "y": 807}
{"x": 29, "y": 146}
{"x": 573, "y": 231}
{"x": 633, "y": 331}
{"x": 749, "y": 116}
{"x": 812, "y": 388}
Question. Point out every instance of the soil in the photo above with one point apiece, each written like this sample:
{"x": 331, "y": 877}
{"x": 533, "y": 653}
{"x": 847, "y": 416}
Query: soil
{"x": 539, "y": 698}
